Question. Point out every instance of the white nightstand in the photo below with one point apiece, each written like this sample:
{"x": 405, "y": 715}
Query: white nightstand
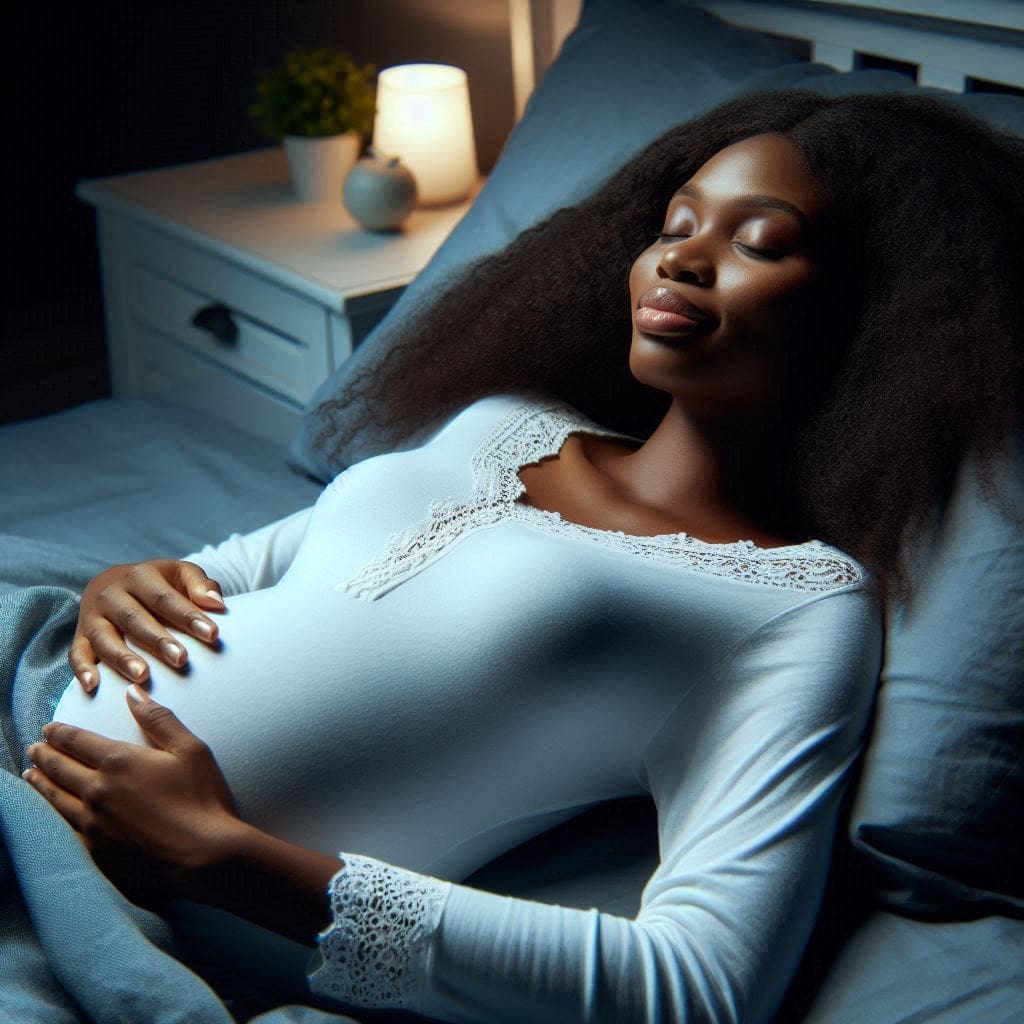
{"x": 219, "y": 286}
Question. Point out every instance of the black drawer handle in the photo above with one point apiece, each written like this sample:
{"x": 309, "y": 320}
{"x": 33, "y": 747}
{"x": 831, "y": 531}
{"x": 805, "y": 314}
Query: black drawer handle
{"x": 217, "y": 320}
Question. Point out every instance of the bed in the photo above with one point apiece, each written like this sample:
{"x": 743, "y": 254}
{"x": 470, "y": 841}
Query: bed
{"x": 922, "y": 917}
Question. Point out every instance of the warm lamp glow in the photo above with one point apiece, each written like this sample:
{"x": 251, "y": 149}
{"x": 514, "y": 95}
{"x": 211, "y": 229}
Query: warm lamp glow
{"x": 423, "y": 117}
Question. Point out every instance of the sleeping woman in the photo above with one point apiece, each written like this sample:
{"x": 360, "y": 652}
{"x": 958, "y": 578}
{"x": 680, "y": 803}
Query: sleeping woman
{"x": 670, "y": 450}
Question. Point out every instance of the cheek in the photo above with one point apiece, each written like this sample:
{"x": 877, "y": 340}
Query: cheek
{"x": 761, "y": 296}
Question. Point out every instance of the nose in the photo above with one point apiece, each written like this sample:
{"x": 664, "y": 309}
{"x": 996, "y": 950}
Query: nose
{"x": 685, "y": 260}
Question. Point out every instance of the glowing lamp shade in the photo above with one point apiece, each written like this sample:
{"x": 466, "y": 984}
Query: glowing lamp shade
{"x": 423, "y": 117}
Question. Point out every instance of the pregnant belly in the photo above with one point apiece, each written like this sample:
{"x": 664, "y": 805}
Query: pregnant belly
{"x": 300, "y": 708}
{"x": 432, "y": 728}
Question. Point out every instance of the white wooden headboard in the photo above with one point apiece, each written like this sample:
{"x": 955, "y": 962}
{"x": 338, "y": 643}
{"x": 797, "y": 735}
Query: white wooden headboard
{"x": 959, "y": 45}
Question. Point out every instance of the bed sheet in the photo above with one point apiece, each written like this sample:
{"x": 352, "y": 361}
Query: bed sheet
{"x": 123, "y": 479}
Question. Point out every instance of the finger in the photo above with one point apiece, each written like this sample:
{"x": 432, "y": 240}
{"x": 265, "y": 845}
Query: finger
{"x": 67, "y": 805}
{"x": 83, "y": 663}
{"x": 110, "y": 647}
{"x": 138, "y": 625}
{"x": 204, "y": 591}
{"x": 160, "y": 724}
{"x": 166, "y": 596}
{"x": 59, "y": 769}
{"x": 69, "y": 741}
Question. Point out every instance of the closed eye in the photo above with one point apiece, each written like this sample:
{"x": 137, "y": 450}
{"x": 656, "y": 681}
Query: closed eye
{"x": 761, "y": 254}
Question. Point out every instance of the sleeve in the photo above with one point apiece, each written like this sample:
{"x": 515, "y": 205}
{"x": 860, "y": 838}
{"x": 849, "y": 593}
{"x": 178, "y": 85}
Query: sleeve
{"x": 254, "y": 560}
{"x": 747, "y": 783}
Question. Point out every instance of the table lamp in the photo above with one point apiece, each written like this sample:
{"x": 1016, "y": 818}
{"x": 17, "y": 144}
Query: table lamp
{"x": 423, "y": 117}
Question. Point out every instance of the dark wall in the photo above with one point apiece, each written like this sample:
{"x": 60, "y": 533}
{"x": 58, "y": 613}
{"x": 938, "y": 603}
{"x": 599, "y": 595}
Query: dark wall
{"x": 124, "y": 85}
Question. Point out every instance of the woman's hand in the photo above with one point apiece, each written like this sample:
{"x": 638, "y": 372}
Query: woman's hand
{"x": 172, "y": 802}
{"x": 173, "y": 805}
{"x": 135, "y": 601}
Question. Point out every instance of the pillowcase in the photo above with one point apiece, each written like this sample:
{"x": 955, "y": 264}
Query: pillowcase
{"x": 937, "y": 812}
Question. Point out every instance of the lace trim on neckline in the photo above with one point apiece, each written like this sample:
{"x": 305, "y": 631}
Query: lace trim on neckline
{"x": 534, "y": 431}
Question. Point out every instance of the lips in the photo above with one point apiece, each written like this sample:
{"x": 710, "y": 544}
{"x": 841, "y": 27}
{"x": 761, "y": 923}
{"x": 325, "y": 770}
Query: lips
{"x": 663, "y": 310}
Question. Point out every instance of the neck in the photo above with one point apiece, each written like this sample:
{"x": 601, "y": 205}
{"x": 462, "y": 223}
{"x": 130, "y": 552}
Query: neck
{"x": 736, "y": 467}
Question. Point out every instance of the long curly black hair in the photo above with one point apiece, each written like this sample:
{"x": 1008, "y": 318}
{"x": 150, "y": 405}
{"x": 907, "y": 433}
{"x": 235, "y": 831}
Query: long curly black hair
{"x": 911, "y": 359}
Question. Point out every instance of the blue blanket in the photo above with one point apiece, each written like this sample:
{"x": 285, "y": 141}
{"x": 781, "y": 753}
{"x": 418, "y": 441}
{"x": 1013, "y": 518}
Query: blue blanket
{"x": 72, "y": 948}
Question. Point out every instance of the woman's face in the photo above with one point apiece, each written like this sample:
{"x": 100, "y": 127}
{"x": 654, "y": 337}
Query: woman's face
{"x": 712, "y": 295}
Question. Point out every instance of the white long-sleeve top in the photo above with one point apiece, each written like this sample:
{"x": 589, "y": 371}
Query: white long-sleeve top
{"x": 471, "y": 671}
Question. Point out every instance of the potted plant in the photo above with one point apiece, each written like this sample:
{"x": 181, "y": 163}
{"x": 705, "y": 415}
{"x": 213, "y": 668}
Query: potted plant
{"x": 320, "y": 104}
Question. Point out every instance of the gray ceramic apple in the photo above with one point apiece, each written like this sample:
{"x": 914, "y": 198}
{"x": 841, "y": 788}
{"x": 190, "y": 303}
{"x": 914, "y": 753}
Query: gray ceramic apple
{"x": 379, "y": 192}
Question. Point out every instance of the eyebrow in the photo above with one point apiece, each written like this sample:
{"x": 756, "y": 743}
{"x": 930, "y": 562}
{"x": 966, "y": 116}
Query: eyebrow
{"x": 752, "y": 199}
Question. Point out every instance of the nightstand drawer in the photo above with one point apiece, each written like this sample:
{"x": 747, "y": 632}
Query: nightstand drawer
{"x": 282, "y": 338}
{"x": 174, "y": 371}
{"x": 198, "y": 268}
{"x": 283, "y": 364}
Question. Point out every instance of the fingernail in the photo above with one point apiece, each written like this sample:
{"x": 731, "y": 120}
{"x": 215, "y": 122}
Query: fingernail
{"x": 213, "y": 595}
{"x": 136, "y": 694}
{"x": 88, "y": 682}
{"x": 136, "y": 669}
{"x": 30, "y": 751}
{"x": 26, "y": 773}
{"x": 202, "y": 629}
{"x": 173, "y": 651}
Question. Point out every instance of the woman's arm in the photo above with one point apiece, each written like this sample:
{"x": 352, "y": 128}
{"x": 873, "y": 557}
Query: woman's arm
{"x": 747, "y": 775}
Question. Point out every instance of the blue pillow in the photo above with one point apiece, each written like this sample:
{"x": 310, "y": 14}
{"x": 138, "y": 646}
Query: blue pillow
{"x": 938, "y": 809}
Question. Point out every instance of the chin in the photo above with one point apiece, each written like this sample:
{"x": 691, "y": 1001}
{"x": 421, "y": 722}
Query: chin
{"x": 705, "y": 395}
{"x": 658, "y": 364}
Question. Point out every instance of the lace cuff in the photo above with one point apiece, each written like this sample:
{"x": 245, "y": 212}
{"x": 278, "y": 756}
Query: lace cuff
{"x": 376, "y": 952}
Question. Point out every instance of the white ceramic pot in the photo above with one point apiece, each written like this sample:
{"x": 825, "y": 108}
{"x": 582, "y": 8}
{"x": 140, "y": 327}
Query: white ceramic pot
{"x": 319, "y": 164}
